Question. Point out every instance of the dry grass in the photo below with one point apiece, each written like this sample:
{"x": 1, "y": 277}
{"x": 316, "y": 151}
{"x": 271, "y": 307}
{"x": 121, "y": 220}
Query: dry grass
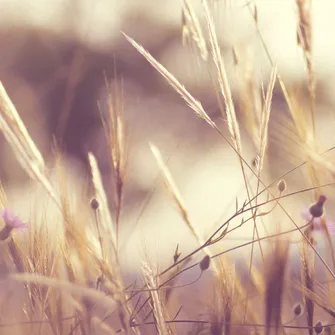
{"x": 65, "y": 277}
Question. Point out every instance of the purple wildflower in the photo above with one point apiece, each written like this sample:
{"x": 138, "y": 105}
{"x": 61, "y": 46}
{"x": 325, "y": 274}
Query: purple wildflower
{"x": 11, "y": 222}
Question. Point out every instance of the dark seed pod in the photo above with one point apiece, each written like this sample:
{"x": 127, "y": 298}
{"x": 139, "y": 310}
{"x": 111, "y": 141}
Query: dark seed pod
{"x": 318, "y": 327}
{"x": 281, "y": 186}
{"x": 94, "y": 204}
{"x": 316, "y": 210}
{"x": 204, "y": 264}
{"x": 297, "y": 309}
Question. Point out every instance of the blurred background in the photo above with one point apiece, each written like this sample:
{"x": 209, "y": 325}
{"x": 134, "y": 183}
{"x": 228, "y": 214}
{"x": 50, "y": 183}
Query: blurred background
{"x": 55, "y": 56}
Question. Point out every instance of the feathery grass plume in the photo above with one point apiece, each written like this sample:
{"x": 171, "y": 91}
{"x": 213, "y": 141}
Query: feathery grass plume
{"x": 290, "y": 102}
{"x": 304, "y": 30}
{"x": 226, "y": 297}
{"x": 233, "y": 125}
{"x": 180, "y": 203}
{"x": 192, "y": 28}
{"x": 188, "y": 98}
{"x": 115, "y": 134}
{"x": 304, "y": 131}
{"x": 308, "y": 278}
{"x": 304, "y": 40}
{"x": 321, "y": 296}
{"x": 308, "y": 147}
{"x": 12, "y": 118}
{"x": 40, "y": 254}
{"x": 275, "y": 286}
{"x": 23, "y": 146}
{"x": 265, "y": 118}
{"x": 100, "y": 195}
{"x": 223, "y": 80}
{"x": 75, "y": 224}
{"x": 44, "y": 257}
{"x": 264, "y": 124}
{"x": 172, "y": 80}
{"x": 74, "y": 259}
{"x": 249, "y": 99}
{"x": 151, "y": 280}
{"x": 231, "y": 304}
{"x": 111, "y": 267}
{"x": 173, "y": 190}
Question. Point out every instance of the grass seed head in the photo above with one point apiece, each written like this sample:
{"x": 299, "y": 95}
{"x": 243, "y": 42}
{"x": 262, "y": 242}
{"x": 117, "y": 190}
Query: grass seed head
{"x": 316, "y": 210}
{"x": 94, "y": 204}
{"x": 281, "y": 186}
{"x": 318, "y": 327}
{"x": 205, "y": 262}
{"x": 297, "y": 309}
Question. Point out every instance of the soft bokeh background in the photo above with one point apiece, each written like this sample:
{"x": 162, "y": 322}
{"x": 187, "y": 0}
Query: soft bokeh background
{"x": 53, "y": 55}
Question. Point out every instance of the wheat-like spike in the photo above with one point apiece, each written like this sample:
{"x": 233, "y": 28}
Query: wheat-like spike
{"x": 116, "y": 286}
{"x": 172, "y": 80}
{"x": 223, "y": 80}
{"x": 305, "y": 41}
{"x": 174, "y": 191}
{"x": 266, "y": 118}
{"x": 23, "y": 146}
{"x": 158, "y": 307}
{"x": 107, "y": 221}
{"x": 12, "y": 117}
{"x": 194, "y": 28}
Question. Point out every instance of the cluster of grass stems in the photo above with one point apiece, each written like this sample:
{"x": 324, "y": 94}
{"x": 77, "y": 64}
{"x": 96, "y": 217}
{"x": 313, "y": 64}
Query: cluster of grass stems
{"x": 67, "y": 275}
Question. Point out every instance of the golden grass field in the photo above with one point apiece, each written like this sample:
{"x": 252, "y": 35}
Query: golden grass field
{"x": 188, "y": 216}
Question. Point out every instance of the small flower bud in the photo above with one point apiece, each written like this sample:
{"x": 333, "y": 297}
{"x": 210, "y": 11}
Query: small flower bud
{"x": 204, "y": 264}
{"x": 281, "y": 186}
{"x": 94, "y": 204}
{"x": 318, "y": 327}
{"x": 297, "y": 309}
{"x": 316, "y": 210}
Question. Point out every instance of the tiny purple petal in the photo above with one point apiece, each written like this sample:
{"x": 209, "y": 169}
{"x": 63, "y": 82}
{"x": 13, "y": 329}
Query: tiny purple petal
{"x": 12, "y": 220}
{"x": 317, "y": 223}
